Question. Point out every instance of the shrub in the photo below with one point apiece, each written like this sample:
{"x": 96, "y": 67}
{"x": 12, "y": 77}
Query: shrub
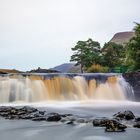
{"x": 96, "y": 68}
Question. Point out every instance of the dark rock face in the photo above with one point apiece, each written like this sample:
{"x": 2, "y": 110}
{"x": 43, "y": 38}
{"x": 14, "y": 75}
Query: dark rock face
{"x": 126, "y": 115}
{"x": 54, "y": 118}
{"x": 110, "y": 125}
{"x": 137, "y": 125}
{"x": 100, "y": 122}
{"x": 134, "y": 80}
{"x": 39, "y": 119}
{"x": 114, "y": 124}
{"x": 122, "y": 37}
{"x": 137, "y": 119}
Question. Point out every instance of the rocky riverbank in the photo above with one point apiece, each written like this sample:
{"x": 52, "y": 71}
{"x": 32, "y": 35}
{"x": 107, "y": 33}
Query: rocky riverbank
{"x": 134, "y": 80}
{"x": 117, "y": 123}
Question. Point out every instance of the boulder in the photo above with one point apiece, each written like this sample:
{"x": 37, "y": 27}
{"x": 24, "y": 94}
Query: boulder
{"x": 28, "y": 109}
{"x": 114, "y": 126}
{"x": 100, "y": 122}
{"x": 137, "y": 125}
{"x": 54, "y": 118}
{"x": 39, "y": 119}
{"x": 137, "y": 119}
{"x": 126, "y": 115}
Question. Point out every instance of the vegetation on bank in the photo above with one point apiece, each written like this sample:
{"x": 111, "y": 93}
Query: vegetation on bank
{"x": 111, "y": 57}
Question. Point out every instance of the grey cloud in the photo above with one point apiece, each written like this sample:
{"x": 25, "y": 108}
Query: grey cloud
{"x": 41, "y": 32}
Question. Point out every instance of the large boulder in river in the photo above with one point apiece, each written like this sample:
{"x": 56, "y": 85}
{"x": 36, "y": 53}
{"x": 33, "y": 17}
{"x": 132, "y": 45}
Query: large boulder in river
{"x": 109, "y": 124}
{"x": 126, "y": 115}
{"x": 114, "y": 126}
{"x": 53, "y": 117}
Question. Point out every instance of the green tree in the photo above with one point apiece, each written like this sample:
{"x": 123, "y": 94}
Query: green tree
{"x": 112, "y": 55}
{"x": 133, "y": 50}
{"x": 86, "y": 53}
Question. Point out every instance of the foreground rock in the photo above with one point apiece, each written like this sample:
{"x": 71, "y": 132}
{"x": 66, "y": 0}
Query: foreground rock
{"x": 126, "y": 115}
{"x": 114, "y": 124}
{"x": 54, "y": 117}
{"x": 137, "y": 125}
{"x": 100, "y": 122}
{"x": 110, "y": 125}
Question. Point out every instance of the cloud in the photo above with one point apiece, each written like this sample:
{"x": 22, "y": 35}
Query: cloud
{"x": 42, "y": 32}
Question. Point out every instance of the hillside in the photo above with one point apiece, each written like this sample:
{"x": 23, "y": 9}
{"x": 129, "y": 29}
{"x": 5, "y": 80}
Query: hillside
{"x": 67, "y": 68}
{"x": 5, "y": 71}
{"x": 122, "y": 37}
{"x": 40, "y": 70}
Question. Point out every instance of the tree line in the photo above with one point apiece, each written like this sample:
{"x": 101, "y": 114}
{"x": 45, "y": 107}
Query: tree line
{"x": 92, "y": 58}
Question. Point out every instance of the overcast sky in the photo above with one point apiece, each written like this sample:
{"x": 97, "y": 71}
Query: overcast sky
{"x": 41, "y": 33}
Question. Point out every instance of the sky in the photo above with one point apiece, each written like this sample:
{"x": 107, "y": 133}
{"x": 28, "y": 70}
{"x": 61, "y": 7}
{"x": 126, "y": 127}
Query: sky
{"x": 41, "y": 33}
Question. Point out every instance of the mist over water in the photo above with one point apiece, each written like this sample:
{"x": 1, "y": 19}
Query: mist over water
{"x": 68, "y": 87}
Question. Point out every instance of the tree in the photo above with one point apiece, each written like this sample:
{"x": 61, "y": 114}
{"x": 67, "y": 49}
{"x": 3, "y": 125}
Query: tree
{"x": 133, "y": 50}
{"x": 86, "y": 53}
{"x": 112, "y": 54}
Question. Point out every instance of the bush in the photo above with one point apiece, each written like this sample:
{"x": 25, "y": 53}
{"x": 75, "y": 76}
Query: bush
{"x": 96, "y": 68}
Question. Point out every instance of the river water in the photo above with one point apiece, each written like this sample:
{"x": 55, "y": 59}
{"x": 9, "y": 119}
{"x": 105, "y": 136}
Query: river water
{"x": 87, "y": 95}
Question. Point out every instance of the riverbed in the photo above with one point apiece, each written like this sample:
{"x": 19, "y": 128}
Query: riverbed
{"x": 28, "y": 130}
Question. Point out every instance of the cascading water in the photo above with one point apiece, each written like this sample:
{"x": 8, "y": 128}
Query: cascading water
{"x": 62, "y": 87}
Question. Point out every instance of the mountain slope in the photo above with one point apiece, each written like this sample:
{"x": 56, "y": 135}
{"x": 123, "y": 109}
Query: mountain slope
{"x": 64, "y": 67}
{"x": 122, "y": 37}
{"x": 67, "y": 68}
{"x": 5, "y": 71}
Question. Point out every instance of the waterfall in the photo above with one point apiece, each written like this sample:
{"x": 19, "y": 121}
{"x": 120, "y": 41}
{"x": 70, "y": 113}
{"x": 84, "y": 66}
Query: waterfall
{"x": 63, "y": 87}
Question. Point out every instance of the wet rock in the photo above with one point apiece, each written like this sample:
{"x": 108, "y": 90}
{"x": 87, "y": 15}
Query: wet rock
{"x": 119, "y": 115}
{"x": 5, "y": 109}
{"x": 4, "y": 114}
{"x": 19, "y": 113}
{"x": 114, "y": 126}
{"x": 99, "y": 122}
{"x": 111, "y": 125}
{"x": 27, "y": 116}
{"x": 137, "y": 125}
{"x": 81, "y": 121}
{"x": 137, "y": 119}
{"x": 63, "y": 120}
{"x": 54, "y": 118}
{"x": 127, "y": 115}
{"x": 72, "y": 118}
{"x": 12, "y": 117}
{"x": 39, "y": 119}
{"x": 70, "y": 122}
{"x": 28, "y": 109}
{"x": 42, "y": 112}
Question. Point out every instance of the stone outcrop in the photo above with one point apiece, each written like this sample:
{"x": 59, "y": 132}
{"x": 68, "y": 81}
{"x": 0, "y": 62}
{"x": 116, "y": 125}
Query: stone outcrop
{"x": 118, "y": 123}
{"x": 134, "y": 80}
{"x": 126, "y": 115}
{"x": 40, "y": 70}
{"x": 122, "y": 37}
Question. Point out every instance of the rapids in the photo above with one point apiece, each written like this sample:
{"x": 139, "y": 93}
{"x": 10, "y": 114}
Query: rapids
{"x": 31, "y": 88}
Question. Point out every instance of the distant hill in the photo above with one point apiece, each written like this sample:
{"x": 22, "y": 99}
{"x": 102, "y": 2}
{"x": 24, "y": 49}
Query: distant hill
{"x": 6, "y": 71}
{"x": 40, "y": 70}
{"x": 122, "y": 37}
{"x": 67, "y": 68}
